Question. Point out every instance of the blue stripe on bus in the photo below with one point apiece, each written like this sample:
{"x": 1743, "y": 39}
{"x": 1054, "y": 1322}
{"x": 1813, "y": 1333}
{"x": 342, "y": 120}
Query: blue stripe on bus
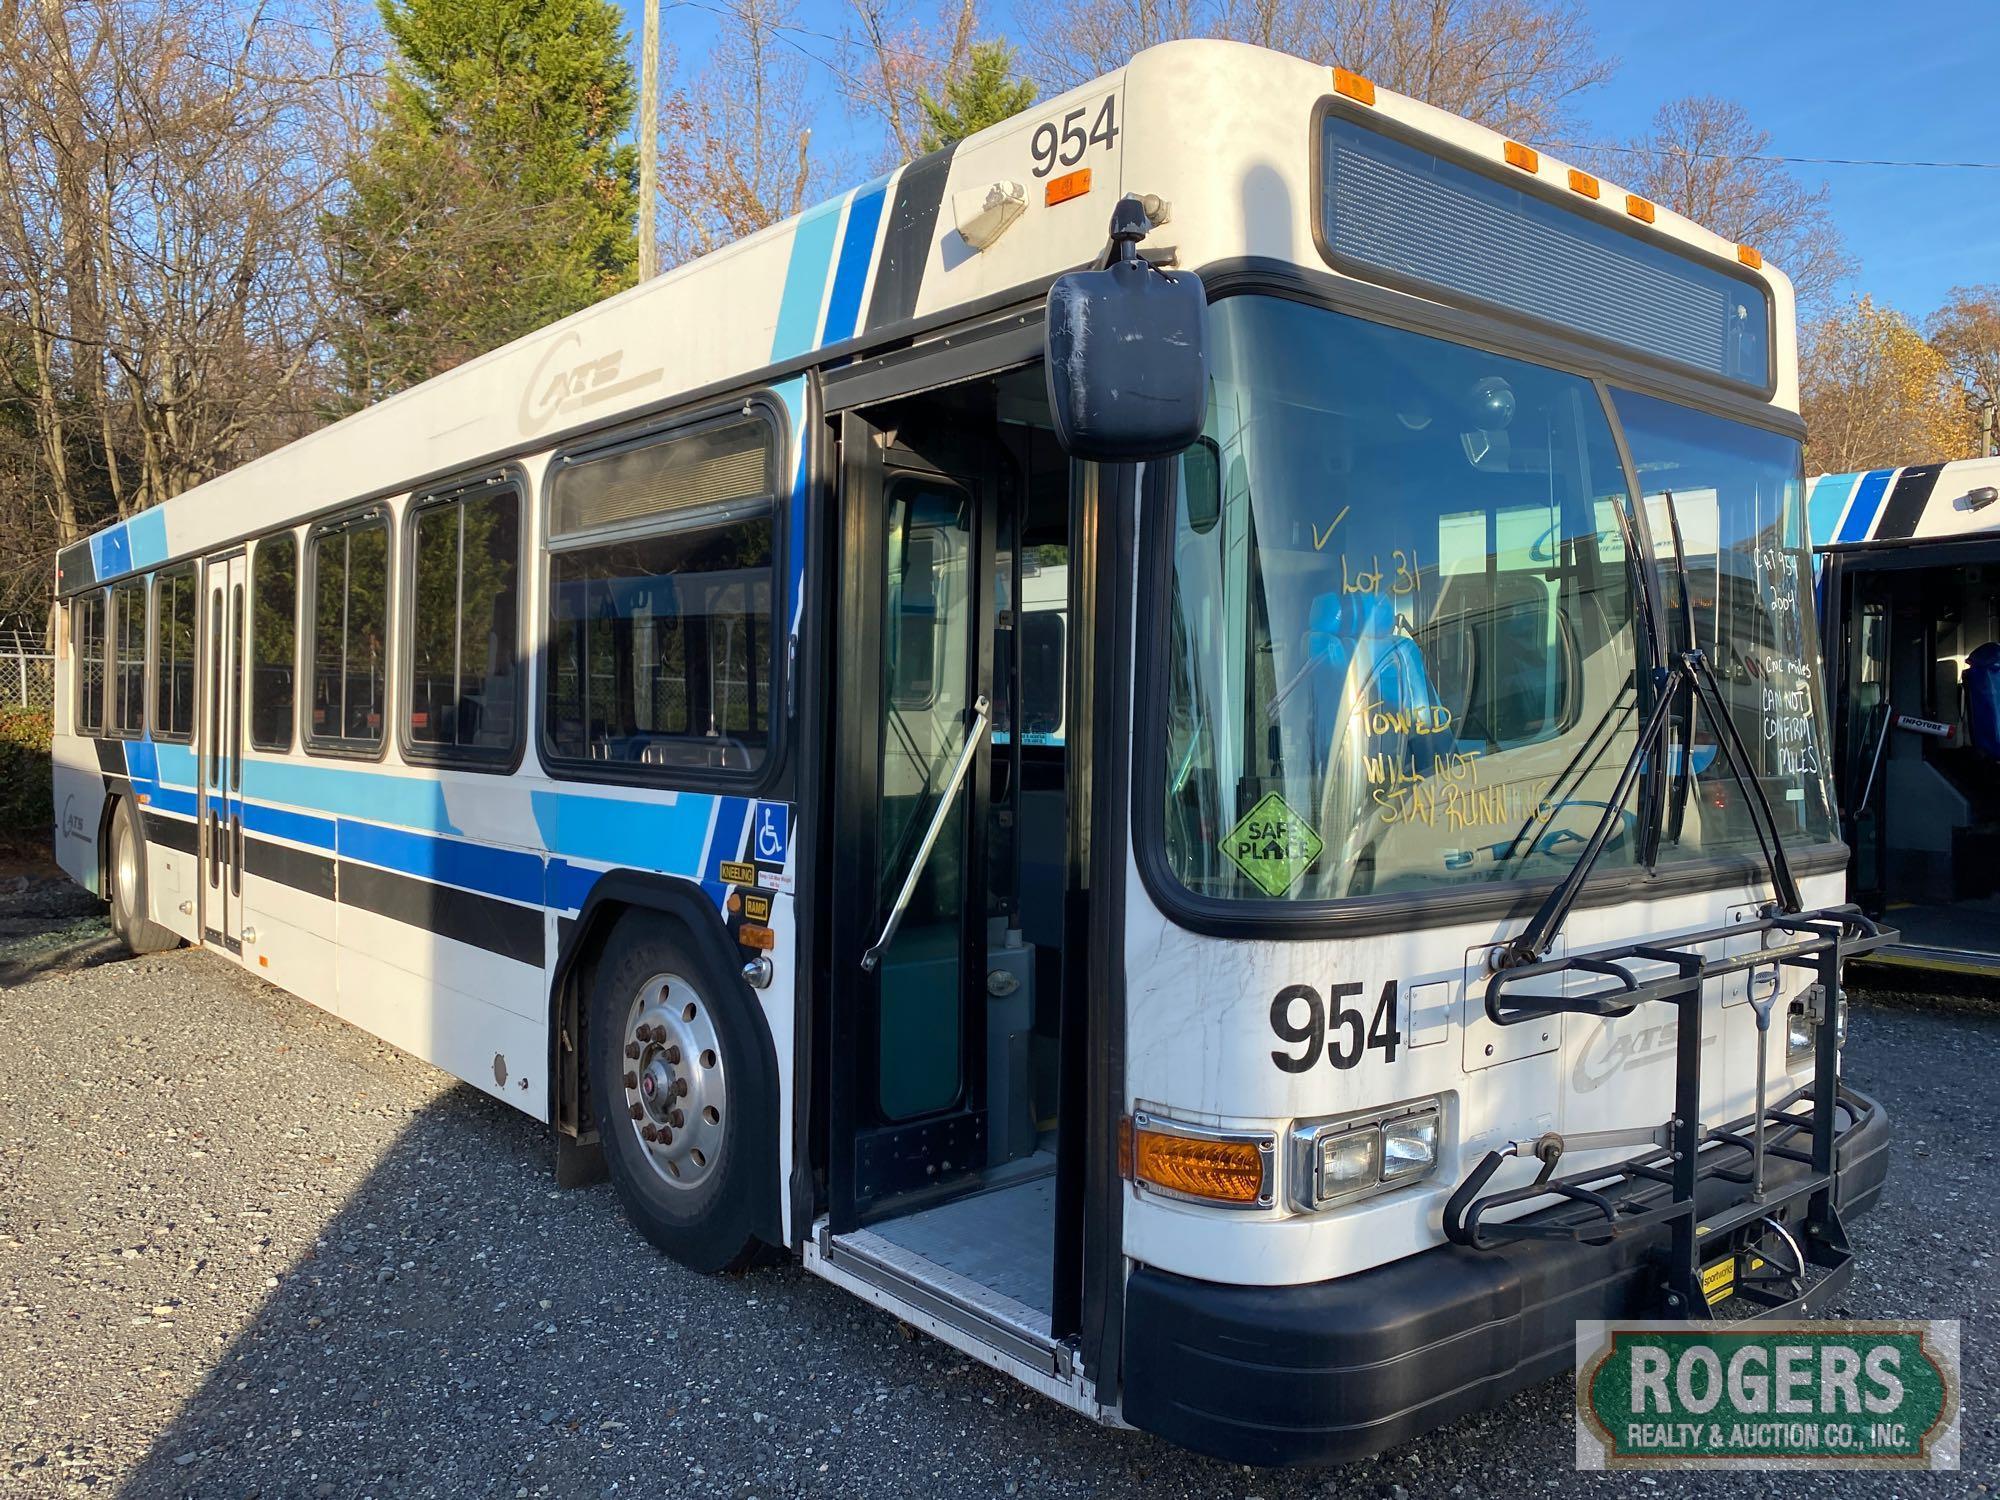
{"x": 857, "y": 254}
{"x": 294, "y": 827}
{"x": 1829, "y": 495}
{"x": 146, "y": 538}
{"x": 805, "y": 281}
{"x": 111, "y": 552}
{"x": 663, "y": 835}
{"x": 1867, "y": 504}
{"x": 512, "y": 874}
{"x": 569, "y": 885}
{"x": 175, "y": 763}
{"x": 404, "y": 800}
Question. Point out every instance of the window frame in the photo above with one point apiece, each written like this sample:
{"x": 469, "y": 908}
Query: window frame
{"x": 114, "y": 612}
{"x": 509, "y": 478}
{"x": 293, "y": 733}
{"x": 78, "y": 657}
{"x": 1405, "y": 911}
{"x": 154, "y": 665}
{"x": 761, "y": 778}
{"x": 340, "y": 747}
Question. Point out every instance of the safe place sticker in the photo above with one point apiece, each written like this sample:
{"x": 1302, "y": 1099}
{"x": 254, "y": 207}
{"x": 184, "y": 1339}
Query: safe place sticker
{"x": 1273, "y": 845}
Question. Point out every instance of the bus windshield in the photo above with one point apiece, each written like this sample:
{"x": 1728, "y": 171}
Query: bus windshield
{"x": 1406, "y": 650}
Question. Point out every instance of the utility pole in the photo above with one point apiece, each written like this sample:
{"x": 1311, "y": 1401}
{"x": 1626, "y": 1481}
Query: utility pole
{"x": 649, "y": 137}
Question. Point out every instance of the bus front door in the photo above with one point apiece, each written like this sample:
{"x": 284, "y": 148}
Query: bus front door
{"x": 915, "y": 680}
{"x": 220, "y": 746}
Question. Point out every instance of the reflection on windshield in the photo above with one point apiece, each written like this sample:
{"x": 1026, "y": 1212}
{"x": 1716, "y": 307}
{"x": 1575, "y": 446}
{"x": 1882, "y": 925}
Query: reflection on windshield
{"x": 1404, "y": 641}
{"x": 1739, "y": 501}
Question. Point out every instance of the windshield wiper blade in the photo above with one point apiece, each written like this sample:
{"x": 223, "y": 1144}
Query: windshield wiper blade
{"x": 1690, "y": 674}
{"x": 1702, "y": 681}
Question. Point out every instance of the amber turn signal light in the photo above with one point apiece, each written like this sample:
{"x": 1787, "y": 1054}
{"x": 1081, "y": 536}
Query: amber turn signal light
{"x": 1209, "y": 1166}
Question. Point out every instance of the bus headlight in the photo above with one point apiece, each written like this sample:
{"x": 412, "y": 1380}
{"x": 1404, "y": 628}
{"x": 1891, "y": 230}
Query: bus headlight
{"x": 1337, "y": 1161}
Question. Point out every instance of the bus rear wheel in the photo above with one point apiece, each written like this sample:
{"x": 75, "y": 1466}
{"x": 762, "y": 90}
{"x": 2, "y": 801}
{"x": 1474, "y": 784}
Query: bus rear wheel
{"x": 127, "y": 879}
{"x": 674, "y": 1095}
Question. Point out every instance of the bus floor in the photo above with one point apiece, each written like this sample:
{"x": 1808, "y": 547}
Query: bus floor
{"x": 1001, "y": 1237}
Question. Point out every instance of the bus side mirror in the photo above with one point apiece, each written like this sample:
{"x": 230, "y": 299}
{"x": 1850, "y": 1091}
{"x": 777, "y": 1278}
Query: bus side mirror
{"x": 1127, "y": 352}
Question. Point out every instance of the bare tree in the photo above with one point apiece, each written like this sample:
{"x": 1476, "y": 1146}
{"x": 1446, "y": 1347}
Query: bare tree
{"x": 736, "y": 150}
{"x": 1515, "y": 65}
{"x": 1704, "y": 158}
{"x": 161, "y": 172}
{"x": 901, "y": 58}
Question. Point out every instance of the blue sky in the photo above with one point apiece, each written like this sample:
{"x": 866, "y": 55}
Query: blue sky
{"x": 1914, "y": 80}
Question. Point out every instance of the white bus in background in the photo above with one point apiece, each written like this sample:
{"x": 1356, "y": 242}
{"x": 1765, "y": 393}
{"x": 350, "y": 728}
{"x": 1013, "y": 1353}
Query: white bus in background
{"x": 1910, "y": 605}
{"x": 1244, "y": 842}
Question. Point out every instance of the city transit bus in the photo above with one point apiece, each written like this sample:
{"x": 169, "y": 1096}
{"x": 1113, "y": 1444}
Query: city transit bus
{"x": 1388, "y": 909}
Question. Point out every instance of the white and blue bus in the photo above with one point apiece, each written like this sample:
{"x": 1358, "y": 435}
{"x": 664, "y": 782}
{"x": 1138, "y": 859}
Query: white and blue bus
{"x": 1385, "y": 909}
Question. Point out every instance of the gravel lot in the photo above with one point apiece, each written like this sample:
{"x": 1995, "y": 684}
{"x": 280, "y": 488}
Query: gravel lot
{"x": 247, "y": 1250}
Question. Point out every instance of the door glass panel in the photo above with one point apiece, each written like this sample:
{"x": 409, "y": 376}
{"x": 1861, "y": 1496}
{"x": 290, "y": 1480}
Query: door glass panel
{"x": 927, "y": 674}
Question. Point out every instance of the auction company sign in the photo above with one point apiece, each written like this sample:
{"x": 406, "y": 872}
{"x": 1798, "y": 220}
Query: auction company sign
{"x": 1756, "y": 1395}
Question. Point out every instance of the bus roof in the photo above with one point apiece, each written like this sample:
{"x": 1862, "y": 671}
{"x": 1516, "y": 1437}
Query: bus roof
{"x": 1919, "y": 502}
{"x": 1219, "y": 131}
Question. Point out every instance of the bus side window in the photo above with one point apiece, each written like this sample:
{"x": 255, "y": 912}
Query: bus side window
{"x": 89, "y": 647}
{"x": 128, "y": 658}
{"x": 463, "y": 699}
{"x": 173, "y": 655}
{"x": 274, "y": 594}
{"x": 349, "y": 563}
{"x": 661, "y": 600}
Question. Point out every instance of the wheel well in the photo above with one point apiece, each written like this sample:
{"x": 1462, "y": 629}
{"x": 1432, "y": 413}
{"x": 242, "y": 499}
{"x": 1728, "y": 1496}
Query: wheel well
{"x": 610, "y": 899}
{"x": 104, "y": 821}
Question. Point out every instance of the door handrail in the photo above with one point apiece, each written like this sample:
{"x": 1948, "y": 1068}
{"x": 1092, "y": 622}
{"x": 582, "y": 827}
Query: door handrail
{"x": 982, "y": 719}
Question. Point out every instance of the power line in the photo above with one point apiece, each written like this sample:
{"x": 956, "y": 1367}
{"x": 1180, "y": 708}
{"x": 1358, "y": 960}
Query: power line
{"x": 1807, "y": 161}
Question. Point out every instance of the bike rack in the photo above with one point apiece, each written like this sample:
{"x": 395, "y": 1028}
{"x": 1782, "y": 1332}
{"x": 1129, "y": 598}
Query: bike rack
{"x": 1736, "y": 1153}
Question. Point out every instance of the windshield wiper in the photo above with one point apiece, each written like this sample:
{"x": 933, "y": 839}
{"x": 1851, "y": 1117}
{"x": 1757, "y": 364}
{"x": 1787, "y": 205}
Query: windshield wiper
{"x": 1689, "y": 674}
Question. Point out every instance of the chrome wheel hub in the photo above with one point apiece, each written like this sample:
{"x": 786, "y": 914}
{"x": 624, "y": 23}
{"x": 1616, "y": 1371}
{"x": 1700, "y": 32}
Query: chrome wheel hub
{"x": 675, "y": 1090}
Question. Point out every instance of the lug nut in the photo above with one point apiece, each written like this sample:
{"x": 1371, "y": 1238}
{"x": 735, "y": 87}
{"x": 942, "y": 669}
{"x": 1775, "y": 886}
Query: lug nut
{"x": 680, "y": 1088}
{"x": 645, "y": 1033}
{"x": 638, "y": 1111}
{"x": 632, "y": 1049}
{"x": 666, "y": 1137}
{"x": 676, "y": 1119}
{"x": 673, "y": 1055}
{"x": 631, "y": 1080}
{"x": 650, "y": 1133}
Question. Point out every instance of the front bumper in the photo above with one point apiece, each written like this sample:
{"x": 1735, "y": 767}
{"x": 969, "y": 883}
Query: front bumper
{"x": 1337, "y": 1370}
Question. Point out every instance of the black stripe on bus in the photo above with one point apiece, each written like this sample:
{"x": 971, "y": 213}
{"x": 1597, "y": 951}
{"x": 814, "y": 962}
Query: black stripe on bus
{"x": 906, "y": 240}
{"x": 110, "y": 756}
{"x": 463, "y": 916}
{"x": 1905, "y": 509}
{"x": 168, "y": 832}
{"x": 301, "y": 869}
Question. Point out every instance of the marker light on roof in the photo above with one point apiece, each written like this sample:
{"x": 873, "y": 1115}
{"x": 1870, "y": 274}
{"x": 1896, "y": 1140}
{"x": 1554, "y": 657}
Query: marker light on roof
{"x": 1353, "y": 86}
{"x": 1524, "y": 157}
{"x": 1639, "y": 208}
{"x": 1750, "y": 257}
{"x": 1582, "y": 182}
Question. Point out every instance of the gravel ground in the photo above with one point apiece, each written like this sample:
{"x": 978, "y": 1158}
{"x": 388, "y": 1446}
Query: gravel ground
{"x": 248, "y": 1250}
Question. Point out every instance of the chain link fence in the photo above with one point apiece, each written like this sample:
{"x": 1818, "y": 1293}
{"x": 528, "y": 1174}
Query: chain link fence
{"x": 27, "y": 671}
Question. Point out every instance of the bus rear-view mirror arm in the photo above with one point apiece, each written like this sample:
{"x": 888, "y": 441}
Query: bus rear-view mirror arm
{"x": 1127, "y": 347}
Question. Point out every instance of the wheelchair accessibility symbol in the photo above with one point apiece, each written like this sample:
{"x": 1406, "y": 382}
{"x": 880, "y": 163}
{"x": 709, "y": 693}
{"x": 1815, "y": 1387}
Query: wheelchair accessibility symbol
{"x": 772, "y": 838}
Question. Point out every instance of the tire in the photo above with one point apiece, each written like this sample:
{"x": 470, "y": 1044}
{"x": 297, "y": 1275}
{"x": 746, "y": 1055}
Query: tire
{"x": 126, "y": 878}
{"x": 664, "y": 1014}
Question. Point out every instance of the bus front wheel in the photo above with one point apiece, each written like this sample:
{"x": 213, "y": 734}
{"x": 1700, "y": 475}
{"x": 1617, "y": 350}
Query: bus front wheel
{"x": 127, "y": 880}
{"x": 674, "y": 1093}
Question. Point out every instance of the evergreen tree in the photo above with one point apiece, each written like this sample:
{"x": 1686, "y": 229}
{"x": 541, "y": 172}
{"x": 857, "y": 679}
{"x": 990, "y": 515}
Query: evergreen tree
{"x": 494, "y": 196}
{"x": 984, "y": 93}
